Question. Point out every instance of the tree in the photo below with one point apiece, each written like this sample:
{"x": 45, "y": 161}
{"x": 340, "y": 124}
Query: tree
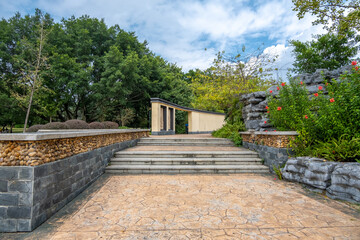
{"x": 339, "y": 15}
{"x": 216, "y": 88}
{"x": 328, "y": 51}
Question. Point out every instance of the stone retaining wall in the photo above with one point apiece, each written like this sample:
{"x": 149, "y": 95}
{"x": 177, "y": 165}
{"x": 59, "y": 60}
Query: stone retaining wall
{"x": 254, "y": 111}
{"x": 272, "y": 147}
{"x": 340, "y": 180}
{"x": 36, "y": 152}
{"x": 29, "y": 195}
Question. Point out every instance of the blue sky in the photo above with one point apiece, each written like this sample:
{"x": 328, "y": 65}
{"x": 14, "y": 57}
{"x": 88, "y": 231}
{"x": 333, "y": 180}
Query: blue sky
{"x": 181, "y": 30}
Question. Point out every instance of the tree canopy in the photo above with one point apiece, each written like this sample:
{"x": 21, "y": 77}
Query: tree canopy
{"x": 91, "y": 71}
{"x": 339, "y": 15}
{"x": 327, "y": 51}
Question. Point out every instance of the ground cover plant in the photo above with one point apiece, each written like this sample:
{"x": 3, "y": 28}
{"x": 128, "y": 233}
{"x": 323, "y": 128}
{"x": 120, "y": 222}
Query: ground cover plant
{"x": 328, "y": 121}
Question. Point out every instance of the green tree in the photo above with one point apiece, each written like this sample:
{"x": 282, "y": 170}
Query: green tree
{"x": 328, "y": 51}
{"x": 339, "y": 15}
{"x": 215, "y": 88}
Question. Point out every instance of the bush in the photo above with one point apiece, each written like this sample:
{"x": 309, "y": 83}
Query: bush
{"x": 344, "y": 149}
{"x": 34, "y": 128}
{"x": 324, "y": 122}
{"x": 55, "y": 125}
{"x": 77, "y": 124}
{"x": 234, "y": 124}
{"x": 110, "y": 125}
{"x": 231, "y": 131}
{"x": 96, "y": 125}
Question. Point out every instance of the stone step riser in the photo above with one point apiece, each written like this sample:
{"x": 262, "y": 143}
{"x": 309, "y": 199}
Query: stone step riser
{"x": 188, "y": 144}
{"x": 186, "y": 163}
{"x": 185, "y": 140}
{"x": 185, "y": 171}
{"x": 183, "y": 156}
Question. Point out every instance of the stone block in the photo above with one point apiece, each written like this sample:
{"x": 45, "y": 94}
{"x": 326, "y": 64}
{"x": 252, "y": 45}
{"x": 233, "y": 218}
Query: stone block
{"x": 8, "y": 225}
{"x": 21, "y": 186}
{"x": 40, "y": 171}
{"x": 9, "y": 199}
{"x": 3, "y": 186}
{"x": 24, "y": 225}
{"x": 3, "y": 214}
{"x": 19, "y": 212}
{"x": 26, "y": 173}
{"x": 9, "y": 173}
{"x": 25, "y": 199}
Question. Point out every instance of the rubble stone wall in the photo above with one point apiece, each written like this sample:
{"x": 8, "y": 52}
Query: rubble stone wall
{"x": 34, "y": 153}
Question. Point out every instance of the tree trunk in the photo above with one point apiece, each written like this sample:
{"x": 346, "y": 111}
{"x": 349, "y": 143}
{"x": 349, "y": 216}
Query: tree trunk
{"x": 35, "y": 75}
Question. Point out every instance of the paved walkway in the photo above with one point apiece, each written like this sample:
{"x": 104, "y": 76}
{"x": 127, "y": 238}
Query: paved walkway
{"x": 239, "y": 206}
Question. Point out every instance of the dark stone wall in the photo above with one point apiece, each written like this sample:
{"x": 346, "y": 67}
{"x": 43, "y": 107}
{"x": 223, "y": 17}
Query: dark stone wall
{"x": 31, "y": 195}
{"x": 272, "y": 156}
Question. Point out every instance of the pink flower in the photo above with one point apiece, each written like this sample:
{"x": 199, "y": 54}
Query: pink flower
{"x": 265, "y": 122}
{"x": 274, "y": 130}
{"x": 356, "y": 68}
{"x": 320, "y": 87}
{"x": 306, "y": 117}
{"x": 267, "y": 107}
{"x": 332, "y": 100}
{"x": 268, "y": 111}
{"x": 301, "y": 82}
{"x": 265, "y": 130}
{"x": 353, "y": 63}
{"x": 283, "y": 84}
{"x": 279, "y": 108}
{"x": 316, "y": 94}
{"x": 270, "y": 91}
{"x": 277, "y": 88}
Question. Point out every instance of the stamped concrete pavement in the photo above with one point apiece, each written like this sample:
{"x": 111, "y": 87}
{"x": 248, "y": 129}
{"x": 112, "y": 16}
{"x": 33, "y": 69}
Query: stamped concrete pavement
{"x": 237, "y": 206}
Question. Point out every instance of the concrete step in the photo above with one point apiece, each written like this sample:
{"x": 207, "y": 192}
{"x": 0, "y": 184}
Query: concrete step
{"x": 186, "y": 161}
{"x": 214, "y": 144}
{"x": 185, "y": 154}
{"x": 172, "y": 169}
{"x": 166, "y": 140}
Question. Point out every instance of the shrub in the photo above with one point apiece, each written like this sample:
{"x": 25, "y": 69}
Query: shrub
{"x": 55, "y": 125}
{"x": 344, "y": 149}
{"x": 231, "y": 131}
{"x": 35, "y": 128}
{"x": 96, "y": 125}
{"x": 324, "y": 122}
{"x": 110, "y": 125}
{"x": 77, "y": 124}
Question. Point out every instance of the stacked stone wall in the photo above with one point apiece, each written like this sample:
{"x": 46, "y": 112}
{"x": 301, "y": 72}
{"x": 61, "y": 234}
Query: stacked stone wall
{"x": 339, "y": 180}
{"x": 254, "y": 111}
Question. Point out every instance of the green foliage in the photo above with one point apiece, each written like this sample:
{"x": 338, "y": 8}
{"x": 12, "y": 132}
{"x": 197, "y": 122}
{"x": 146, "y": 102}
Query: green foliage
{"x": 231, "y": 131}
{"x": 216, "y": 88}
{"x": 92, "y": 71}
{"x": 344, "y": 149}
{"x": 234, "y": 124}
{"x": 338, "y": 15}
{"x": 328, "y": 51}
{"x": 294, "y": 103}
{"x": 324, "y": 122}
{"x": 277, "y": 171}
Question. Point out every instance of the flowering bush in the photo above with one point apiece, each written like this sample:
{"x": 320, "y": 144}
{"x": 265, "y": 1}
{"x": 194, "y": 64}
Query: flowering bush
{"x": 322, "y": 120}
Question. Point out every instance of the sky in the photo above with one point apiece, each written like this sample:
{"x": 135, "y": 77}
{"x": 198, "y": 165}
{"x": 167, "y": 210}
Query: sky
{"x": 191, "y": 32}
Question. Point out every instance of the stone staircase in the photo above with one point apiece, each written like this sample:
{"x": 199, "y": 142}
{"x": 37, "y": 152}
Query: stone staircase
{"x": 185, "y": 155}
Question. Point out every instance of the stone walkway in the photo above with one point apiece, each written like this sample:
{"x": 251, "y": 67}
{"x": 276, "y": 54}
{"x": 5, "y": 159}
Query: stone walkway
{"x": 239, "y": 206}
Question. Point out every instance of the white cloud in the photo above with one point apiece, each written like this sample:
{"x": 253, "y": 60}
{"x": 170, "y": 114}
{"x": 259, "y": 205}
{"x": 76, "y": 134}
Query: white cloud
{"x": 179, "y": 30}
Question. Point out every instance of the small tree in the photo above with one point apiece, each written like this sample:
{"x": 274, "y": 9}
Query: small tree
{"x": 216, "y": 88}
{"x": 126, "y": 116}
{"x": 30, "y": 61}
